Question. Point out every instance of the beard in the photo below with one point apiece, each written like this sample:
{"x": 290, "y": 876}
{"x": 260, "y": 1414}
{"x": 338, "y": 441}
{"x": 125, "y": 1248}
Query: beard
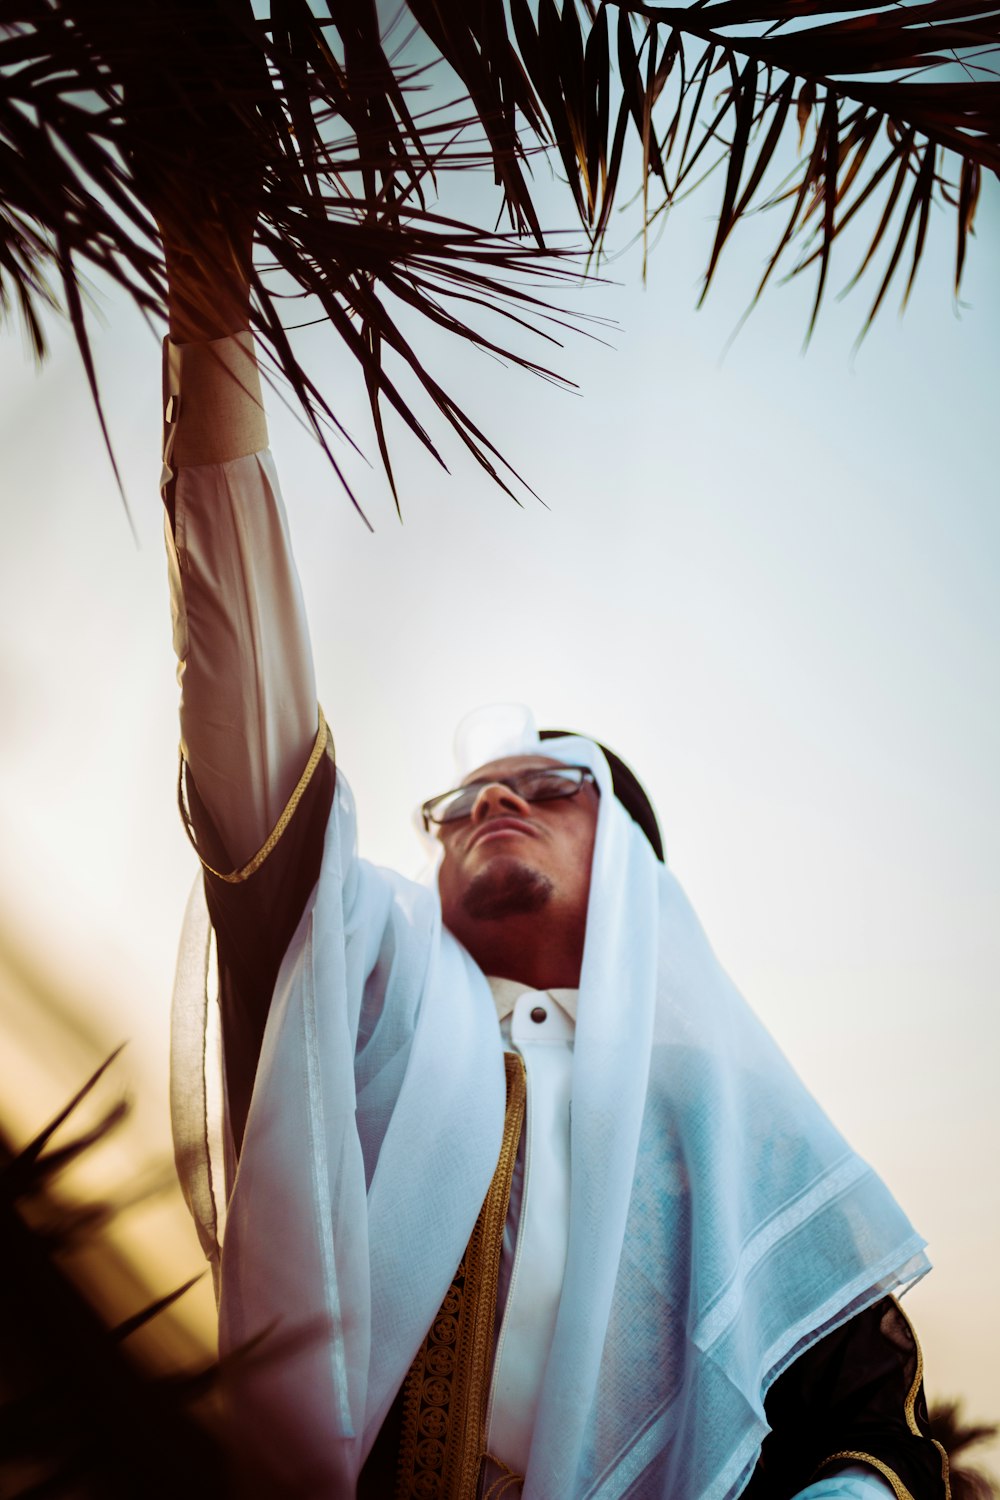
{"x": 506, "y": 888}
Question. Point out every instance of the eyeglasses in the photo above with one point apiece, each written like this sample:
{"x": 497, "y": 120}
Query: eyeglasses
{"x": 543, "y": 784}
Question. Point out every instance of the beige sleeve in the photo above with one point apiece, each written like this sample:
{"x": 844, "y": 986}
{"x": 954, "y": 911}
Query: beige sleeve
{"x": 248, "y": 694}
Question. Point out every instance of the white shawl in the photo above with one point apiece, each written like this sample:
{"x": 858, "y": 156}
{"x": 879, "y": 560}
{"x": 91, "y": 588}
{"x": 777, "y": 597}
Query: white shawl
{"x": 719, "y": 1224}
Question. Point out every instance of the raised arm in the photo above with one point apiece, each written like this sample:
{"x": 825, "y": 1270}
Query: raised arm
{"x": 248, "y": 698}
{"x": 257, "y": 781}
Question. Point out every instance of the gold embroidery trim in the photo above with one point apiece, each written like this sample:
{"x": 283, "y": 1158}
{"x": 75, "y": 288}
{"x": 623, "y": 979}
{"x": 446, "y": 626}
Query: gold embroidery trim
{"x": 443, "y": 1438}
{"x": 236, "y": 877}
{"x": 909, "y": 1410}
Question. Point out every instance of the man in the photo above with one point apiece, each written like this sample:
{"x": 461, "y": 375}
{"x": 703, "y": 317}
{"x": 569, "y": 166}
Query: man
{"x": 520, "y": 1198}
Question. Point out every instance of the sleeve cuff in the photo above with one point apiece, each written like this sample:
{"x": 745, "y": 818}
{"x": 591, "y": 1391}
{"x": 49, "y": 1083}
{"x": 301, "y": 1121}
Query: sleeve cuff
{"x": 212, "y": 406}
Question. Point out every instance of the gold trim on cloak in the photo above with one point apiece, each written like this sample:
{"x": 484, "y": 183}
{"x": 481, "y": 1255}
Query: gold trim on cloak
{"x": 236, "y": 877}
{"x": 443, "y": 1439}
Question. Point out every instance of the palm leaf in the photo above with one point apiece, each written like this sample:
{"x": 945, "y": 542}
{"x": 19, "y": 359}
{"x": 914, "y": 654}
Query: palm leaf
{"x": 897, "y": 107}
{"x": 79, "y": 1413}
{"x": 950, "y": 1427}
{"x": 34, "y": 1164}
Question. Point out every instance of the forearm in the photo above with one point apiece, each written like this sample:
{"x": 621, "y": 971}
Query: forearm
{"x": 248, "y": 697}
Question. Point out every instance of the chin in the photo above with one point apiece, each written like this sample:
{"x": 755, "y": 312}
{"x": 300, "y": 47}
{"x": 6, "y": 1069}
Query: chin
{"x": 506, "y": 887}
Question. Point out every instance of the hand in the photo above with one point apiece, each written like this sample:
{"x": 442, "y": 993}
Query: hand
{"x": 192, "y": 138}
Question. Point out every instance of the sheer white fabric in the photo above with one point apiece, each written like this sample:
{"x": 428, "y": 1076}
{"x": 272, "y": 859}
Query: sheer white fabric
{"x": 852, "y": 1483}
{"x": 718, "y": 1222}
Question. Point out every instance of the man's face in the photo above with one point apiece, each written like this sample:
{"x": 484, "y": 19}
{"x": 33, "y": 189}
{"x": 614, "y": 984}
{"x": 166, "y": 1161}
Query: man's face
{"x": 511, "y": 859}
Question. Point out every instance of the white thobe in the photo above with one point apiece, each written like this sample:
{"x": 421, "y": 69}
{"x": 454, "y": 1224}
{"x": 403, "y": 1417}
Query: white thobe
{"x": 540, "y": 1026}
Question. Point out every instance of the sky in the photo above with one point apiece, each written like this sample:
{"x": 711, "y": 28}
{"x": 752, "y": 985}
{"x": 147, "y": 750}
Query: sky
{"x": 766, "y": 578}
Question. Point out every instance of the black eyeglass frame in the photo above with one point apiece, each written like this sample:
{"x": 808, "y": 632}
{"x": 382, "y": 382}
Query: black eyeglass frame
{"x": 587, "y": 778}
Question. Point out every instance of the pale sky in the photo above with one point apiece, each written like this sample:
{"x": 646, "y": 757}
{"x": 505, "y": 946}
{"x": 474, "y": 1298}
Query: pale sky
{"x": 769, "y": 581}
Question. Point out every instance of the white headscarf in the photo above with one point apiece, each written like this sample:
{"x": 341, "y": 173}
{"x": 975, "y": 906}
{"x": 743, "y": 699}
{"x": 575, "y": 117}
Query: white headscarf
{"x": 719, "y": 1224}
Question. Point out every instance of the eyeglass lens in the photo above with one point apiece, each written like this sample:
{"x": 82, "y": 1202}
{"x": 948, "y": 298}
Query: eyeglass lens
{"x": 533, "y": 786}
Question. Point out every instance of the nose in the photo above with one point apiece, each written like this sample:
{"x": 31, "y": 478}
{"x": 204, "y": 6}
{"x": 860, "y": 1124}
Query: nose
{"x": 494, "y": 800}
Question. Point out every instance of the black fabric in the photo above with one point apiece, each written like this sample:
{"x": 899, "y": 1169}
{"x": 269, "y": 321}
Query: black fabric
{"x": 628, "y": 789}
{"x": 377, "y": 1480}
{"x": 849, "y": 1394}
{"x": 254, "y": 922}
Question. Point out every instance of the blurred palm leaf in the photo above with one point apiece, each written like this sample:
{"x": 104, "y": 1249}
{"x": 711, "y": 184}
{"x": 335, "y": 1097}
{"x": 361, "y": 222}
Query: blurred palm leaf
{"x": 79, "y": 1414}
{"x": 897, "y": 108}
{"x": 956, "y": 1435}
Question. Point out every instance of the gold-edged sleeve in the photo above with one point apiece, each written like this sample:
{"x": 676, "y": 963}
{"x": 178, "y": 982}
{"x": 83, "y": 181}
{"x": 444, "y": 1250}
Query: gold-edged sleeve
{"x": 236, "y": 877}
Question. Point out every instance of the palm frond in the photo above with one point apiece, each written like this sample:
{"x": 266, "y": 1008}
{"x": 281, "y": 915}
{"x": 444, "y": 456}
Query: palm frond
{"x": 874, "y": 88}
{"x": 924, "y": 75}
{"x": 79, "y": 1411}
{"x": 950, "y": 1427}
{"x": 34, "y": 1164}
{"x": 897, "y": 108}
